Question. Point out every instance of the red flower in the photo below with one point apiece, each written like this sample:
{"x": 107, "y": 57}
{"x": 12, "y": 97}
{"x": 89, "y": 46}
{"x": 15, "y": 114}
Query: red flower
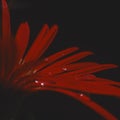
{"x": 60, "y": 72}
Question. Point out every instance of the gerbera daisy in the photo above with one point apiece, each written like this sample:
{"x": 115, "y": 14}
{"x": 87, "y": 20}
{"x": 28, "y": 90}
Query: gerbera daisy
{"x": 60, "y": 72}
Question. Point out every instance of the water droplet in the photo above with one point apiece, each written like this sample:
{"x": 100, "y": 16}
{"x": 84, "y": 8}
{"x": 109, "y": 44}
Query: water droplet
{"x": 34, "y": 71}
{"x": 36, "y": 81}
{"x": 20, "y": 61}
{"x": 42, "y": 84}
{"x": 81, "y": 94}
{"x": 65, "y": 69}
{"x": 85, "y": 97}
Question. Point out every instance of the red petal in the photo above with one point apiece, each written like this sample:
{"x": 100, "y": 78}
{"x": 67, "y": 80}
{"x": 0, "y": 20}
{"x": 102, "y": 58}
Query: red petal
{"x": 55, "y": 57}
{"x": 68, "y": 68}
{"x": 21, "y": 40}
{"x": 69, "y": 60}
{"x": 92, "y": 69}
{"x": 41, "y": 43}
{"x": 6, "y": 30}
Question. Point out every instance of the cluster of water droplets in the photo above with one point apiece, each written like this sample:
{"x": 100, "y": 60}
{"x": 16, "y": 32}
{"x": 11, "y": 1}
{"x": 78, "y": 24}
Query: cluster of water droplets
{"x": 42, "y": 84}
{"x": 64, "y": 69}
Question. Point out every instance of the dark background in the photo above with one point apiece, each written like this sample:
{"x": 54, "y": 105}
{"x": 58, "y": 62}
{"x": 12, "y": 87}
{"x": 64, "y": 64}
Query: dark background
{"x": 91, "y": 26}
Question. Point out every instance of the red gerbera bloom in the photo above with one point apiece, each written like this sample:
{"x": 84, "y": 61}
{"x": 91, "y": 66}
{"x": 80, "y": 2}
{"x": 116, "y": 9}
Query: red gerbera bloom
{"x": 59, "y": 72}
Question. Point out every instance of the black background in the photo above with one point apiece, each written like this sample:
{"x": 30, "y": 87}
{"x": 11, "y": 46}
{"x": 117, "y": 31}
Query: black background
{"x": 91, "y": 26}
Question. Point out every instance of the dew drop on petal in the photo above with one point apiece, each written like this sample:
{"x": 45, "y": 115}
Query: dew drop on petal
{"x": 20, "y": 61}
{"x": 81, "y": 94}
{"x": 36, "y": 81}
{"x": 34, "y": 71}
{"x": 65, "y": 69}
{"x": 42, "y": 84}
